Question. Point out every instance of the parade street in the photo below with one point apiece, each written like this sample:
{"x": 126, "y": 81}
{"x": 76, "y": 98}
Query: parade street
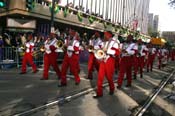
{"x": 19, "y": 94}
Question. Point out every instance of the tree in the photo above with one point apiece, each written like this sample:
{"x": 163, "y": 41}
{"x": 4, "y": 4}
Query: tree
{"x": 172, "y": 3}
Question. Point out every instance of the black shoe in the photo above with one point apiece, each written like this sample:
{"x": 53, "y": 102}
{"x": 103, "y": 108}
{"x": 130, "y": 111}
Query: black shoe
{"x": 111, "y": 93}
{"x": 22, "y": 73}
{"x": 118, "y": 86}
{"x": 43, "y": 78}
{"x": 77, "y": 83}
{"x": 59, "y": 78}
{"x": 35, "y": 71}
{"x": 62, "y": 85}
{"x": 97, "y": 96}
{"x": 135, "y": 76}
{"x": 128, "y": 85}
{"x": 147, "y": 70}
{"x": 141, "y": 76}
{"x": 89, "y": 78}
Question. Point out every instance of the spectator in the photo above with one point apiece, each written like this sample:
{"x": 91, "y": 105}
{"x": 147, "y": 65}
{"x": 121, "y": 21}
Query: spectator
{"x": 23, "y": 39}
{"x": 1, "y": 46}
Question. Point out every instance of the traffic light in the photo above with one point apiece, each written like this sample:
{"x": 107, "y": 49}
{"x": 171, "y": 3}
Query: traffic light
{"x": 30, "y": 4}
{"x": 2, "y": 4}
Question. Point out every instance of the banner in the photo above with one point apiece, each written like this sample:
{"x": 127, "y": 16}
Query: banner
{"x": 21, "y": 23}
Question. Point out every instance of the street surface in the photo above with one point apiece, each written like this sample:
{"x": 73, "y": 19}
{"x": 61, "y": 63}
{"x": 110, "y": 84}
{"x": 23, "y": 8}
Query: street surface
{"x": 20, "y": 93}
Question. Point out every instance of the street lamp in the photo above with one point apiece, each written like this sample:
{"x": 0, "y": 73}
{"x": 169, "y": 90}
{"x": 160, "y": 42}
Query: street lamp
{"x": 52, "y": 16}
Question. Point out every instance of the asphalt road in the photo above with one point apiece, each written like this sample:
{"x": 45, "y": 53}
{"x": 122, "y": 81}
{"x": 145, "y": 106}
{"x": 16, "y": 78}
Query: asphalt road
{"x": 19, "y": 93}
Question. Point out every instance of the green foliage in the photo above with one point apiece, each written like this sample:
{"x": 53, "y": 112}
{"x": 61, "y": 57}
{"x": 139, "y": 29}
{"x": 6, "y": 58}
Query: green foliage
{"x": 66, "y": 12}
{"x": 91, "y": 19}
{"x": 172, "y": 3}
{"x": 56, "y": 9}
{"x": 80, "y": 17}
{"x": 30, "y": 4}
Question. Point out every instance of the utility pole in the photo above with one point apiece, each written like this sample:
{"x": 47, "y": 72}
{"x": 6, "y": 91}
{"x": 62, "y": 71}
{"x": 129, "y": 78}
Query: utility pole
{"x": 52, "y": 17}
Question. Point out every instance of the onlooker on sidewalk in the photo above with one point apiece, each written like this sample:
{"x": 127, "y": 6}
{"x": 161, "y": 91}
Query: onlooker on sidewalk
{"x": 1, "y": 46}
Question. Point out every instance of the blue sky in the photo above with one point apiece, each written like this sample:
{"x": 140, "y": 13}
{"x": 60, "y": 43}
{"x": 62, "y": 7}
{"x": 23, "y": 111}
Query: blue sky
{"x": 165, "y": 12}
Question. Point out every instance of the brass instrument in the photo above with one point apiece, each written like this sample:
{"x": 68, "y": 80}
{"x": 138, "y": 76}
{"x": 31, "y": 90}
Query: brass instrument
{"x": 22, "y": 50}
{"x": 90, "y": 48}
{"x": 100, "y": 54}
{"x": 35, "y": 53}
{"x": 60, "y": 44}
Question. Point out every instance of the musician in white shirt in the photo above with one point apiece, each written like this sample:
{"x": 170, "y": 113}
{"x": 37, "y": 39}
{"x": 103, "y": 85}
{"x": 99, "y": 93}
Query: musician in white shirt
{"x": 140, "y": 57}
{"x": 71, "y": 58}
{"x": 28, "y": 56}
{"x": 50, "y": 56}
{"x": 127, "y": 51}
{"x": 107, "y": 64}
{"x": 151, "y": 56}
{"x": 95, "y": 43}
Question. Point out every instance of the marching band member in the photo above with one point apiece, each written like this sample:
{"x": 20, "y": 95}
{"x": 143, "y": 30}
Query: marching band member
{"x": 50, "y": 56}
{"x": 28, "y": 57}
{"x": 71, "y": 58}
{"x": 94, "y": 44}
{"x": 165, "y": 57}
{"x": 128, "y": 49}
{"x": 140, "y": 57}
{"x": 160, "y": 56}
{"x": 172, "y": 54}
{"x": 151, "y": 56}
{"x": 117, "y": 58}
{"x": 107, "y": 64}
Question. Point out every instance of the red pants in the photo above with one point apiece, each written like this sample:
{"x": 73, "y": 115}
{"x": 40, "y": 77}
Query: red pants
{"x": 73, "y": 63}
{"x": 135, "y": 64}
{"x": 125, "y": 67}
{"x": 28, "y": 58}
{"x": 117, "y": 62}
{"x": 51, "y": 59}
{"x": 151, "y": 58}
{"x": 106, "y": 69}
{"x": 92, "y": 62}
{"x": 139, "y": 64}
{"x": 172, "y": 56}
{"x": 159, "y": 62}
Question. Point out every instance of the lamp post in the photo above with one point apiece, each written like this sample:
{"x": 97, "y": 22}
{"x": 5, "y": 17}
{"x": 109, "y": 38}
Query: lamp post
{"x": 52, "y": 17}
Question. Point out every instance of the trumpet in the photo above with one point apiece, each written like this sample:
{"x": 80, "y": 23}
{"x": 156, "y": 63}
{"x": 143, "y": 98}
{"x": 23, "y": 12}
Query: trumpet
{"x": 90, "y": 48}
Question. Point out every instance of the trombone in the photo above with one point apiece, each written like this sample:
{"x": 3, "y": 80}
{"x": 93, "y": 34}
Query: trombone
{"x": 35, "y": 53}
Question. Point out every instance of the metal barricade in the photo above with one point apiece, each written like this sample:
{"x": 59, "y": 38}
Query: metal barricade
{"x": 12, "y": 56}
{"x": 8, "y": 57}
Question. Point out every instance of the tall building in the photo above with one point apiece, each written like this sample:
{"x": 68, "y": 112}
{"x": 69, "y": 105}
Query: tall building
{"x": 150, "y": 21}
{"x": 155, "y": 23}
{"x": 129, "y": 13}
{"x": 169, "y": 35}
